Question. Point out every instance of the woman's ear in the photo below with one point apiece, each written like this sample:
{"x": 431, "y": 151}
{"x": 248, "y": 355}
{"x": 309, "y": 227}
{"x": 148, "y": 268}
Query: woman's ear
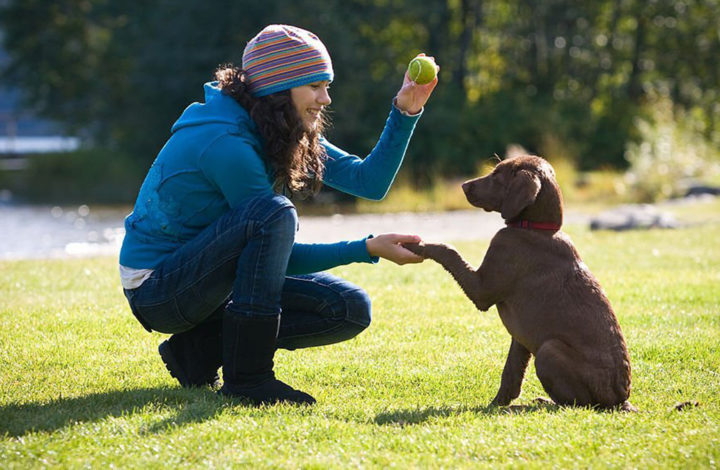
{"x": 520, "y": 193}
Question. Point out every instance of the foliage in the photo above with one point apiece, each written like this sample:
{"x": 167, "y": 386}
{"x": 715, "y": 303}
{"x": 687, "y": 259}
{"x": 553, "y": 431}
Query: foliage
{"x": 512, "y": 71}
{"x": 81, "y": 384}
{"x": 98, "y": 176}
{"x": 670, "y": 155}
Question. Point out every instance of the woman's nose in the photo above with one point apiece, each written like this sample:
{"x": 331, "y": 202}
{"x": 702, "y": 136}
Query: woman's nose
{"x": 324, "y": 97}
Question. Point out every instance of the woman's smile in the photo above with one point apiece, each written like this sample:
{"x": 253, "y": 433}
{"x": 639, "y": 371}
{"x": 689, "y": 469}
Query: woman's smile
{"x": 310, "y": 100}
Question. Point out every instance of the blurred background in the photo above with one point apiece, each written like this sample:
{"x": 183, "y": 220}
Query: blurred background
{"x": 622, "y": 96}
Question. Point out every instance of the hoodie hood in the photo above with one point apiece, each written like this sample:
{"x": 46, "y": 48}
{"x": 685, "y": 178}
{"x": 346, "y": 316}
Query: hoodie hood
{"x": 218, "y": 108}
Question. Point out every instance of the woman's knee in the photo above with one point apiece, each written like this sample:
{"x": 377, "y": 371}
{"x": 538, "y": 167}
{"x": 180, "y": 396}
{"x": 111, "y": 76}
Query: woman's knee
{"x": 268, "y": 214}
{"x": 280, "y": 211}
{"x": 354, "y": 320}
{"x": 358, "y": 308}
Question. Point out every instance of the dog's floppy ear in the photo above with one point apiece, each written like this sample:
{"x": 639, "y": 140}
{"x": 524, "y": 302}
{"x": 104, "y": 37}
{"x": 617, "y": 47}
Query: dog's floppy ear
{"x": 521, "y": 192}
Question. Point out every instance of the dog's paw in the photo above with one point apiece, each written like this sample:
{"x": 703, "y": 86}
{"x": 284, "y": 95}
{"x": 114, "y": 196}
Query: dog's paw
{"x": 500, "y": 400}
{"x": 628, "y": 407}
{"x": 417, "y": 248}
{"x": 543, "y": 401}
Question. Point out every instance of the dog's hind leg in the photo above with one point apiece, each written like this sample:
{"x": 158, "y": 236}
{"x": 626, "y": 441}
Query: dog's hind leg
{"x": 560, "y": 371}
{"x": 512, "y": 375}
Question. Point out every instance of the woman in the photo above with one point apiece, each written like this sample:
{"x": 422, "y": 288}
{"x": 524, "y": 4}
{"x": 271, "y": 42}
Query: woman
{"x": 209, "y": 253}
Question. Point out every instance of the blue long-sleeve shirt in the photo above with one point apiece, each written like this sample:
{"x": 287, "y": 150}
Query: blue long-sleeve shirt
{"x": 213, "y": 162}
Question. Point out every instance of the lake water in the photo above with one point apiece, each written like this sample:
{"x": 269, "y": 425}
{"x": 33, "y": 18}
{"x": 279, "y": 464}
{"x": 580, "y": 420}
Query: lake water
{"x": 55, "y": 231}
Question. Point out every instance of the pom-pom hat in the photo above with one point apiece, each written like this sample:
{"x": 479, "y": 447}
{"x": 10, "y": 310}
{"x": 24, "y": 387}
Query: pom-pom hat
{"x": 281, "y": 57}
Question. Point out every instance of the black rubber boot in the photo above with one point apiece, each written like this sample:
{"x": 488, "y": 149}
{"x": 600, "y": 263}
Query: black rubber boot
{"x": 193, "y": 357}
{"x": 248, "y": 350}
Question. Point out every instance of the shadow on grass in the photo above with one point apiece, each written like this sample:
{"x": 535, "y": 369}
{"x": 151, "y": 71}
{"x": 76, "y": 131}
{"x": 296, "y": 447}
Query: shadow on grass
{"x": 420, "y": 415}
{"x": 185, "y": 406}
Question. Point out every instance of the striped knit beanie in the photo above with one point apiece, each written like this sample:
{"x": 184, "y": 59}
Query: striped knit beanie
{"x": 281, "y": 57}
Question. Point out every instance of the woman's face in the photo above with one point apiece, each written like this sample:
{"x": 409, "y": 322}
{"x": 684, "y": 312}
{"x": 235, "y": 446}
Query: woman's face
{"x": 309, "y": 101}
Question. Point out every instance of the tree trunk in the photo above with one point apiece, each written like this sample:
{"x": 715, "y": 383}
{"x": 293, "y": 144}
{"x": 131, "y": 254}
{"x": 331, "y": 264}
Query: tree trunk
{"x": 470, "y": 16}
{"x": 634, "y": 85}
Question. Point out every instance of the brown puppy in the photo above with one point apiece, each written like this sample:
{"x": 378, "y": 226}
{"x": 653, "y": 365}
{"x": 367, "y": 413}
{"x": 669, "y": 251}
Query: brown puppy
{"x": 547, "y": 298}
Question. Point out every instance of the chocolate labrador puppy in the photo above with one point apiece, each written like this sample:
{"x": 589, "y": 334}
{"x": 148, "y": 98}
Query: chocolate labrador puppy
{"x": 550, "y": 303}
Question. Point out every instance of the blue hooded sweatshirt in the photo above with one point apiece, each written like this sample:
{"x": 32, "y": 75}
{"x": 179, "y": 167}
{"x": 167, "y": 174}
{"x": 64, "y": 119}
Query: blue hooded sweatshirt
{"x": 213, "y": 162}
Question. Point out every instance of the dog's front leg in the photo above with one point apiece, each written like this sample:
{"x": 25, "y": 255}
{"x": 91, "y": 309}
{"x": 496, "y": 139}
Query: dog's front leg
{"x": 461, "y": 271}
{"x": 512, "y": 375}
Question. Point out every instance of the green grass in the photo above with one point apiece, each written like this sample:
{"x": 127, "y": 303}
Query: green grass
{"x": 81, "y": 383}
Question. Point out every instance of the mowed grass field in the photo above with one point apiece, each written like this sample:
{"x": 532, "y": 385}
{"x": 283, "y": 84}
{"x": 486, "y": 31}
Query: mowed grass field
{"x": 81, "y": 383}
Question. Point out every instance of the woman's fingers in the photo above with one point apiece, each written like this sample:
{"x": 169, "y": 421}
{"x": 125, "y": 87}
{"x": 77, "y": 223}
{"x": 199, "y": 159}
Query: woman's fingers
{"x": 412, "y": 97}
{"x": 389, "y": 246}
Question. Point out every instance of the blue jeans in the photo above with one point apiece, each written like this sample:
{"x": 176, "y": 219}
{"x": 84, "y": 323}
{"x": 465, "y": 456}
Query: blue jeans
{"x": 238, "y": 263}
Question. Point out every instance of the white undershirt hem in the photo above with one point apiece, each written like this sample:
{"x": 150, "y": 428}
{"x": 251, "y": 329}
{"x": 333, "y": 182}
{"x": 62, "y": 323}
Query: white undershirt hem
{"x": 132, "y": 278}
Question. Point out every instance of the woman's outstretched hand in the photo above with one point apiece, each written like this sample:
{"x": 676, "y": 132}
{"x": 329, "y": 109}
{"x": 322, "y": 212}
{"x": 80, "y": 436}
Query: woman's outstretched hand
{"x": 412, "y": 97}
{"x": 389, "y": 246}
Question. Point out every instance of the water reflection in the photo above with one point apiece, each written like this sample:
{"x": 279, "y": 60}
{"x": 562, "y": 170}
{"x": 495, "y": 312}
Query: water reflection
{"x": 28, "y": 231}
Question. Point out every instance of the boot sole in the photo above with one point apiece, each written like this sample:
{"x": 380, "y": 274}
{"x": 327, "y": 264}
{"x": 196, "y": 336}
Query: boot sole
{"x": 176, "y": 370}
{"x": 172, "y": 365}
{"x": 255, "y": 397}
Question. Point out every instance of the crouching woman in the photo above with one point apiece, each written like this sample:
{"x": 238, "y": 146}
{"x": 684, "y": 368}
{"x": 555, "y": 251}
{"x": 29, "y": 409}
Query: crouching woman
{"x": 209, "y": 253}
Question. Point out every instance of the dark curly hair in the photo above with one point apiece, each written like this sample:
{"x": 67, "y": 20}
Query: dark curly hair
{"x": 293, "y": 152}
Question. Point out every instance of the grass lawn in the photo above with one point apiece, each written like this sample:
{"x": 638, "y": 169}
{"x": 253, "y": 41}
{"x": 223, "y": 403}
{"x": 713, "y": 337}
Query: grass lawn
{"x": 81, "y": 383}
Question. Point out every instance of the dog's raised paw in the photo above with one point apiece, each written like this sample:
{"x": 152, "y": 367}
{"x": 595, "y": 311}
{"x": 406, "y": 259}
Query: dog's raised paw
{"x": 417, "y": 248}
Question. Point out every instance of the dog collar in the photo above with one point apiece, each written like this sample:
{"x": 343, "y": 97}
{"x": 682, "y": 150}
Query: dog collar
{"x": 534, "y": 225}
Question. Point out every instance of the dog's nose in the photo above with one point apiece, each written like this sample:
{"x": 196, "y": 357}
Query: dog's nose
{"x": 466, "y": 187}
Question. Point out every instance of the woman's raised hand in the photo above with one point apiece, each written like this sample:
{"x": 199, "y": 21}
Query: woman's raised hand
{"x": 412, "y": 97}
{"x": 388, "y": 246}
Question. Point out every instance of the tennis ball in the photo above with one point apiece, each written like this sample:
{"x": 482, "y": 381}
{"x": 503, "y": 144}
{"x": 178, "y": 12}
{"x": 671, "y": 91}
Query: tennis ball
{"x": 422, "y": 70}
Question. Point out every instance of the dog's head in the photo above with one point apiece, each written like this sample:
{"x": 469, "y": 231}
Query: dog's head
{"x": 518, "y": 186}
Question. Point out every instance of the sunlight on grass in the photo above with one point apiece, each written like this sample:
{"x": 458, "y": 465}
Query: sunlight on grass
{"x": 81, "y": 383}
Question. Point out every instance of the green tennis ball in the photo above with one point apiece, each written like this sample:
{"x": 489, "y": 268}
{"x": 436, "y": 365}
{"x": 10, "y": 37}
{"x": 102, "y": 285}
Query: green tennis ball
{"x": 422, "y": 70}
